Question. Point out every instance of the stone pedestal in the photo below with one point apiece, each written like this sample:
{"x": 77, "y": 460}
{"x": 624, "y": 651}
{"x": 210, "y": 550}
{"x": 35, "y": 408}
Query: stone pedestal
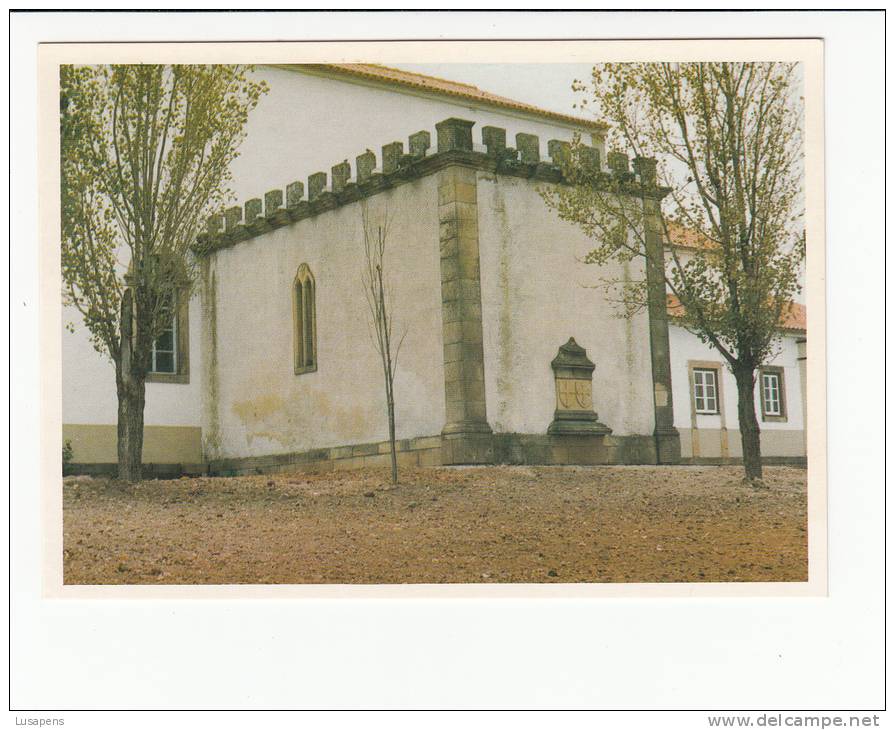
{"x": 575, "y": 414}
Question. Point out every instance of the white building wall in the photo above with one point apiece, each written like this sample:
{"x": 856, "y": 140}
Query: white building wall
{"x": 305, "y": 124}
{"x": 260, "y": 406}
{"x": 536, "y": 294}
{"x": 88, "y": 381}
{"x": 778, "y": 438}
{"x": 308, "y": 123}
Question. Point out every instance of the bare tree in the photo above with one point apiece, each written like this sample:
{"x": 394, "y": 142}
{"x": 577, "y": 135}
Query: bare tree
{"x": 380, "y": 300}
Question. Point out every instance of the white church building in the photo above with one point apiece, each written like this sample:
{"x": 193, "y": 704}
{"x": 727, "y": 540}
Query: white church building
{"x": 511, "y": 355}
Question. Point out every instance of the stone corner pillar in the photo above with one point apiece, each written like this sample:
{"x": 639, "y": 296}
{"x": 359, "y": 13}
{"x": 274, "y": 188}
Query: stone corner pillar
{"x": 668, "y": 440}
{"x": 466, "y": 436}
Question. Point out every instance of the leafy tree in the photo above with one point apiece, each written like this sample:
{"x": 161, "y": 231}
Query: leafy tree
{"x": 145, "y": 156}
{"x": 728, "y": 137}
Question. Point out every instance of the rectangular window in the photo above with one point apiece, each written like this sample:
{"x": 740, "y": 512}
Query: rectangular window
{"x": 770, "y": 388}
{"x": 705, "y": 390}
{"x": 169, "y": 357}
{"x": 773, "y": 394}
{"x": 164, "y": 348}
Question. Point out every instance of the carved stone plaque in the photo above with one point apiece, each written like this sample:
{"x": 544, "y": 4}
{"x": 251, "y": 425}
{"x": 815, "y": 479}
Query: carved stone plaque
{"x": 573, "y": 373}
{"x": 573, "y": 395}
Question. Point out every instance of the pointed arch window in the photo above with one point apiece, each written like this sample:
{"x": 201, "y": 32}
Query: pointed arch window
{"x": 304, "y": 318}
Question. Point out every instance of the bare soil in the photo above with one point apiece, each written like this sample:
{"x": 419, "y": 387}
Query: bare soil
{"x": 444, "y": 525}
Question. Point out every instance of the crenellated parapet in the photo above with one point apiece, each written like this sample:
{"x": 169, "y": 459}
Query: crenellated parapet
{"x": 453, "y": 145}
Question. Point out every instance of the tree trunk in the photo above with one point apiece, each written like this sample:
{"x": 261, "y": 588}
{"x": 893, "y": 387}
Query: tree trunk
{"x": 391, "y": 437}
{"x": 131, "y": 400}
{"x": 749, "y": 430}
{"x": 385, "y": 344}
{"x": 130, "y": 381}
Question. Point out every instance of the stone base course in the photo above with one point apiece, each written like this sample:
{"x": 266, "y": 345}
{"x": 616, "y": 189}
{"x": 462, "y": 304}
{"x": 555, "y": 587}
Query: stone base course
{"x": 499, "y": 448}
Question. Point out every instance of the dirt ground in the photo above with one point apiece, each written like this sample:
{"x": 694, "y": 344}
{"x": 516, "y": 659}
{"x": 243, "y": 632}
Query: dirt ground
{"x": 445, "y": 525}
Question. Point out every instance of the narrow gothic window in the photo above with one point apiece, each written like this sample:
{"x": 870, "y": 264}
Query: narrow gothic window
{"x": 304, "y": 319}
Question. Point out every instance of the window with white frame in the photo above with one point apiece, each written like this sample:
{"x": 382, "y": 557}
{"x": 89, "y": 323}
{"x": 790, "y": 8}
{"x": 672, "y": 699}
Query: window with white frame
{"x": 770, "y": 389}
{"x": 705, "y": 390}
{"x": 773, "y": 394}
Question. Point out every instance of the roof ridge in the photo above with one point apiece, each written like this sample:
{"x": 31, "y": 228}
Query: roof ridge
{"x": 445, "y": 87}
{"x": 413, "y": 73}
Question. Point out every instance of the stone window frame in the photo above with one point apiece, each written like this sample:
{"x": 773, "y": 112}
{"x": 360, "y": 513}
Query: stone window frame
{"x": 304, "y": 321}
{"x": 718, "y": 368}
{"x": 781, "y": 380}
{"x": 181, "y": 375}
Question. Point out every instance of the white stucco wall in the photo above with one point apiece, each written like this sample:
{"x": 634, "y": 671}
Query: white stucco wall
{"x": 535, "y": 295}
{"x": 307, "y": 124}
{"x": 782, "y": 438}
{"x": 88, "y": 381}
{"x": 262, "y": 406}
{"x": 303, "y": 125}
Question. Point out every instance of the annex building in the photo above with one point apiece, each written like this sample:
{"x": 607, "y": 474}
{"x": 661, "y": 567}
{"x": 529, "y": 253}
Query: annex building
{"x": 511, "y": 355}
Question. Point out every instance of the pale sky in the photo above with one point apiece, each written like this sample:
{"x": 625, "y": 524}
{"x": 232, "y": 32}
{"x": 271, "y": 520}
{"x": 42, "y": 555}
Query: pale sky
{"x": 547, "y": 85}
{"x": 543, "y": 84}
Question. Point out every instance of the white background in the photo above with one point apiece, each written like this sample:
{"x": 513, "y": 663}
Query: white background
{"x": 806, "y": 655}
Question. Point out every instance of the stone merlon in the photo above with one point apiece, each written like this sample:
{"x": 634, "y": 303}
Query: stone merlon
{"x": 454, "y": 142}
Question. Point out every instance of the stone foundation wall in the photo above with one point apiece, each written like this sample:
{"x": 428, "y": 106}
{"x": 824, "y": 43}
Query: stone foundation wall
{"x": 505, "y": 448}
{"x": 98, "y": 443}
{"x": 501, "y": 448}
{"x": 538, "y": 449}
{"x": 421, "y": 451}
{"x": 706, "y": 445}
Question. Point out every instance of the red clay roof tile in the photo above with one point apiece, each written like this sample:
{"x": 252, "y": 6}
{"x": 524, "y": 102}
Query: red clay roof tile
{"x": 794, "y": 318}
{"x": 409, "y": 79}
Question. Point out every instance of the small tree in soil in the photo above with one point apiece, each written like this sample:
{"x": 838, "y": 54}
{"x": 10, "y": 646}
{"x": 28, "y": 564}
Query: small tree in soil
{"x": 380, "y": 301}
{"x": 145, "y": 155}
{"x": 728, "y": 139}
